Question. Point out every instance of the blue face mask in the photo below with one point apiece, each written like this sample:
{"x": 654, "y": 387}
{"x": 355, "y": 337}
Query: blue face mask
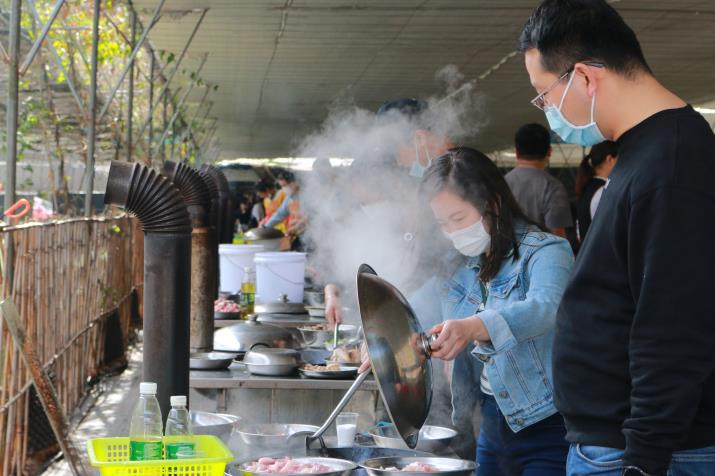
{"x": 586, "y": 135}
{"x": 418, "y": 170}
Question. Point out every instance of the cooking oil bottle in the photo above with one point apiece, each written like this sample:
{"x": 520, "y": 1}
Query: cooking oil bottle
{"x": 248, "y": 292}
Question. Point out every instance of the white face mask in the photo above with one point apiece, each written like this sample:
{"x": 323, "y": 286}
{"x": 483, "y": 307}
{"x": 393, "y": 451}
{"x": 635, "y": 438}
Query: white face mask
{"x": 472, "y": 240}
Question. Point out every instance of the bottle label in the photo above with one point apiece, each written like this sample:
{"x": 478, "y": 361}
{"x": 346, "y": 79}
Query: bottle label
{"x": 144, "y": 450}
{"x": 179, "y": 450}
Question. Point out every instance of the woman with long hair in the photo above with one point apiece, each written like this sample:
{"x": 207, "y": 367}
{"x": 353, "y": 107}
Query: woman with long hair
{"x": 591, "y": 179}
{"x": 500, "y": 304}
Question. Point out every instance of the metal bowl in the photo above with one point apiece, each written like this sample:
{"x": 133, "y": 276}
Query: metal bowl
{"x": 318, "y": 338}
{"x": 432, "y": 439}
{"x": 271, "y": 436}
{"x": 316, "y": 311}
{"x": 218, "y": 424}
{"x": 210, "y": 360}
{"x": 338, "y": 467}
{"x": 445, "y": 466}
{"x": 272, "y": 362}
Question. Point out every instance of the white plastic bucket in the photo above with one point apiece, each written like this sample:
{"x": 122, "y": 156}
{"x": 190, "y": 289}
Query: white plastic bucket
{"x": 232, "y": 260}
{"x": 278, "y": 274}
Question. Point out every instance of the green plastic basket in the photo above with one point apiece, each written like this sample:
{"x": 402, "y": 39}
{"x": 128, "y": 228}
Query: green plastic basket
{"x": 111, "y": 456}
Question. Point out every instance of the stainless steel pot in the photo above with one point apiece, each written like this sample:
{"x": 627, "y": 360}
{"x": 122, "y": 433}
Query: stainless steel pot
{"x": 269, "y": 238}
{"x": 432, "y": 439}
{"x": 272, "y": 362}
{"x": 445, "y": 466}
{"x": 251, "y": 334}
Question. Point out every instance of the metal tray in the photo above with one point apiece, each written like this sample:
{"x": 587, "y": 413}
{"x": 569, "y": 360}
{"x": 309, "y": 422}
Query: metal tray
{"x": 343, "y": 373}
{"x": 445, "y": 466}
{"x": 210, "y": 360}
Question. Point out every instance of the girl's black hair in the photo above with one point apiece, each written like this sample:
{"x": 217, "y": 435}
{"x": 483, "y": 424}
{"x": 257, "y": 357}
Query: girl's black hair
{"x": 474, "y": 177}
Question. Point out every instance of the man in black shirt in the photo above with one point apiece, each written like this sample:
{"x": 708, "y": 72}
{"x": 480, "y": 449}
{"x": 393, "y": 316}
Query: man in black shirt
{"x": 634, "y": 352}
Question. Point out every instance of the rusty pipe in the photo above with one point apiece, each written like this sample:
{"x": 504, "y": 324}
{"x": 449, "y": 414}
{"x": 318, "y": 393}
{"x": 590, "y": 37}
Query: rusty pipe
{"x": 167, "y": 265}
{"x": 213, "y": 222}
{"x": 203, "y": 238}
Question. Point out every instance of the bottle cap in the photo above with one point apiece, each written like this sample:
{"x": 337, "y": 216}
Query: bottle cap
{"x": 147, "y": 388}
{"x": 178, "y": 400}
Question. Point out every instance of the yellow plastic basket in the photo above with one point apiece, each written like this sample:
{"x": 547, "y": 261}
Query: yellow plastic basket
{"x": 111, "y": 456}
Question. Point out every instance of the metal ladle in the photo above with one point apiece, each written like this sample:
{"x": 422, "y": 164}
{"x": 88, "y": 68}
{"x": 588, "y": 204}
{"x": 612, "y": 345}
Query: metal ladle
{"x": 399, "y": 355}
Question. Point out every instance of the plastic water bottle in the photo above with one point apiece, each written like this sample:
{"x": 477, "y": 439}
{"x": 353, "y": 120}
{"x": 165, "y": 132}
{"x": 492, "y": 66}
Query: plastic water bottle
{"x": 145, "y": 428}
{"x": 178, "y": 429}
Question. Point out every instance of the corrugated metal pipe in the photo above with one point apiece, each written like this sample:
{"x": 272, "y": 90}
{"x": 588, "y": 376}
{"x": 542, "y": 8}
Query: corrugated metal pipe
{"x": 167, "y": 266}
{"x": 226, "y": 220}
{"x": 203, "y": 244}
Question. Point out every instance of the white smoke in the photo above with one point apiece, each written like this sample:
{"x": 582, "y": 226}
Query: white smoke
{"x": 370, "y": 213}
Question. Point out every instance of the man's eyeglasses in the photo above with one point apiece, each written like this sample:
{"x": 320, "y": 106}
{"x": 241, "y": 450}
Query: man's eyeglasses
{"x": 540, "y": 100}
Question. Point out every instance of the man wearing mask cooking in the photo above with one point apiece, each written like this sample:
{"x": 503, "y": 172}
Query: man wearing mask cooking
{"x": 634, "y": 354}
{"x": 410, "y": 155}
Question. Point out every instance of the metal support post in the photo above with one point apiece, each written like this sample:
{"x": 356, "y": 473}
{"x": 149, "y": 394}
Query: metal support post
{"x": 130, "y": 90}
{"x": 13, "y": 98}
{"x": 92, "y": 111}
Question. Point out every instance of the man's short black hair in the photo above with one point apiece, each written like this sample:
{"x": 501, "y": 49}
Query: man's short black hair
{"x": 287, "y": 176}
{"x": 532, "y": 142}
{"x": 570, "y": 31}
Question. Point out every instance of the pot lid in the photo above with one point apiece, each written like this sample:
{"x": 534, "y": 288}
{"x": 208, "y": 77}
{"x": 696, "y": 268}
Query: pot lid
{"x": 263, "y": 234}
{"x": 399, "y": 353}
{"x": 245, "y": 335}
{"x": 281, "y": 306}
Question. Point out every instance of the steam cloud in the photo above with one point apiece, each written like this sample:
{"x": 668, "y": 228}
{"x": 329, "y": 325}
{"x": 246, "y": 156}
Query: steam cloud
{"x": 370, "y": 213}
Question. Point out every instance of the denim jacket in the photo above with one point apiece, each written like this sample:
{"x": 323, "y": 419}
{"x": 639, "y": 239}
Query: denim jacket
{"x": 520, "y": 314}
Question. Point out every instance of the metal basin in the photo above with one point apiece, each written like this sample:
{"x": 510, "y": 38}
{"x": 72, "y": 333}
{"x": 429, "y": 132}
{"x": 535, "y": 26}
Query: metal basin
{"x": 338, "y": 467}
{"x": 271, "y": 437}
{"x": 445, "y": 466}
{"x": 351, "y": 453}
{"x": 432, "y": 439}
{"x": 211, "y": 360}
{"x": 217, "y": 424}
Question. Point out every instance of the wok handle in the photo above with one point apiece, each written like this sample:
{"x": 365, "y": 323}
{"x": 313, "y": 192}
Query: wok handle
{"x": 341, "y": 404}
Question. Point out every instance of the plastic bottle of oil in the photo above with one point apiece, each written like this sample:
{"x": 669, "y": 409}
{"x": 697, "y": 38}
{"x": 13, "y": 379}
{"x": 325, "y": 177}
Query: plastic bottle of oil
{"x": 248, "y": 292}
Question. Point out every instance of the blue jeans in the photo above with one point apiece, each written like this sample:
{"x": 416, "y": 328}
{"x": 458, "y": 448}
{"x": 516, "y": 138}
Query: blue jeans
{"x": 539, "y": 450}
{"x": 600, "y": 461}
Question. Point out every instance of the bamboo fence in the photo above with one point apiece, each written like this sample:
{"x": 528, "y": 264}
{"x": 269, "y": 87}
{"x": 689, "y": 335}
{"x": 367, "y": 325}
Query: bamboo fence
{"x": 70, "y": 277}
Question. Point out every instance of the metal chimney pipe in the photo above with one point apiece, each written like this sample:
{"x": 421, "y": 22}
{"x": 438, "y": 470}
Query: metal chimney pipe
{"x": 167, "y": 267}
{"x": 225, "y": 228}
{"x": 213, "y": 222}
{"x": 203, "y": 241}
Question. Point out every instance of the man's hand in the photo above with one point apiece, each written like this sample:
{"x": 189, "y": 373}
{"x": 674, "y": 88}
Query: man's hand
{"x": 333, "y": 311}
{"x": 455, "y": 335}
{"x": 364, "y": 358}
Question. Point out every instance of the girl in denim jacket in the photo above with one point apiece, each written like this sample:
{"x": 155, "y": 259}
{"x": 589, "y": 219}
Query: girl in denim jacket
{"x": 499, "y": 306}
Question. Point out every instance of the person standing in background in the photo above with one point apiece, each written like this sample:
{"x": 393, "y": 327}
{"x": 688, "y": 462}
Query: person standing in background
{"x": 634, "y": 353}
{"x": 542, "y": 197}
{"x": 258, "y": 211}
{"x": 591, "y": 179}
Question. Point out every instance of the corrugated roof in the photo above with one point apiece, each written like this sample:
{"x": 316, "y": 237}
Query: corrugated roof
{"x": 280, "y": 64}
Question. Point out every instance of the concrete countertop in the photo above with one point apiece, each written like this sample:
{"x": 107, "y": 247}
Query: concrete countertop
{"x": 238, "y": 377}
